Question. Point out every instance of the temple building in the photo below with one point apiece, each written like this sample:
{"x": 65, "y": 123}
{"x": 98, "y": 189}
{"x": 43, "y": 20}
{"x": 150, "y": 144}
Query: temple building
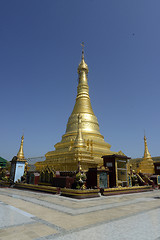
{"x": 145, "y": 164}
{"x": 82, "y": 142}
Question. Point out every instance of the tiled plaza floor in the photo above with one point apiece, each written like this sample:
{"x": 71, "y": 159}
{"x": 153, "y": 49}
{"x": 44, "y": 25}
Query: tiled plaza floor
{"x": 32, "y": 215}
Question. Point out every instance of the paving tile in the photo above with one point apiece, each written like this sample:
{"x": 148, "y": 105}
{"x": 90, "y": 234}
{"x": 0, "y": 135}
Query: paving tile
{"x": 11, "y": 216}
{"x": 139, "y": 227}
{"x": 26, "y": 232}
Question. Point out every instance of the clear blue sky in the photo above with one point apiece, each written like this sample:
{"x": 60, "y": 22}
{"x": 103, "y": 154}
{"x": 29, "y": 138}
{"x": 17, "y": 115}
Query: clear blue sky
{"x": 39, "y": 55}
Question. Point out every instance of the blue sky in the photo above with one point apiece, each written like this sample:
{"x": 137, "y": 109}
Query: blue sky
{"x": 39, "y": 55}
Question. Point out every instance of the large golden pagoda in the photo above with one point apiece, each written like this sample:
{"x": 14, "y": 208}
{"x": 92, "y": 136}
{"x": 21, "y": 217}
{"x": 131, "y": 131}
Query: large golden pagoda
{"x": 82, "y": 142}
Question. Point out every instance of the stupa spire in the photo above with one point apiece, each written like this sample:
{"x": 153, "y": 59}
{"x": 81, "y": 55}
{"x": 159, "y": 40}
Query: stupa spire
{"x": 83, "y": 67}
{"x": 147, "y": 154}
{"x": 82, "y": 44}
{"x": 20, "y": 154}
{"x": 83, "y": 100}
{"x": 83, "y": 104}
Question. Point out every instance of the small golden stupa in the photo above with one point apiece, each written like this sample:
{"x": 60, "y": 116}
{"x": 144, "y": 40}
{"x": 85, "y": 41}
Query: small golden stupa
{"x": 20, "y": 154}
{"x": 82, "y": 141}
{"x": 146, "y": 165}
{"x": 18, "y": 164}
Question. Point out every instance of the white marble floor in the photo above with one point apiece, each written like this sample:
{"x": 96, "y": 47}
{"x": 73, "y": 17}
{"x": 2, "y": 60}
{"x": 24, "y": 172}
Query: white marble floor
{"x": 145, "y": 226}
{"x": 31, "y": 215}
{"x": 11, "y": 216}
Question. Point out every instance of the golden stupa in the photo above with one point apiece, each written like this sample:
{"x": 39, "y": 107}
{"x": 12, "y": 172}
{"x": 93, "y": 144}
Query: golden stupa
{"x": 20, "y": 154}
{"x": 82, "y": 142}
{"x": 144, "y": 165}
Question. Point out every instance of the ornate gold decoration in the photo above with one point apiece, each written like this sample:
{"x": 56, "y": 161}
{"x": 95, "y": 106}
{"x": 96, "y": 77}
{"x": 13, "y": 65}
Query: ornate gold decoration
{"x": 79, "y": 141}
{"x": 121, "y": 153}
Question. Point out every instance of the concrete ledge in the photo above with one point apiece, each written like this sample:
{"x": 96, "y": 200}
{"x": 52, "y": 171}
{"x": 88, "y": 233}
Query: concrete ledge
{"x": 80, "y": 194}
{"x": 36, "y": 187}
{"x": 125, "y": 190}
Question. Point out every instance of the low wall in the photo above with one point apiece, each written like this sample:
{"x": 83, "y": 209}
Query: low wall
{"x": 80, "y": 194}
{"x": 73, "y": 193}
{"x": 41, "y": 188}
{"x": 125, "y": 190}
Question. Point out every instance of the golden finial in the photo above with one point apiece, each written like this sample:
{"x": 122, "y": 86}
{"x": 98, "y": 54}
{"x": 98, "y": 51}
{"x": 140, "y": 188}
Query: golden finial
{"x": 82, "y": 66}
{"x": 82, "y": 44}
{"x": 20, "y": 154}
{"x": 145, "y": 139}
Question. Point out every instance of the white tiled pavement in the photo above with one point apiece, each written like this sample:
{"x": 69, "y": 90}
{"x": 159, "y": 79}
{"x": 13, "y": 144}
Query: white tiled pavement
{"x": 145, "y": 226}
{"x": 31, "y": 215}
